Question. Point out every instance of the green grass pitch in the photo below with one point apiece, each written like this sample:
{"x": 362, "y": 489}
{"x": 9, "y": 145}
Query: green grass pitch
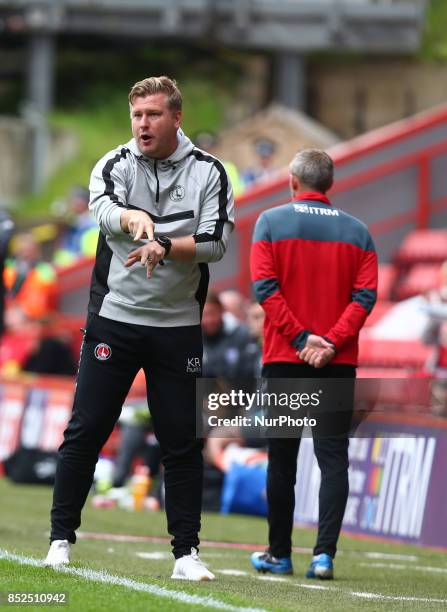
{"x": 107, "y": 574}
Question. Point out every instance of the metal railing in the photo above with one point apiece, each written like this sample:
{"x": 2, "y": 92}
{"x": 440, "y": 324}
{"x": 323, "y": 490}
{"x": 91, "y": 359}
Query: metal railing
{"x": 300, "y": 25}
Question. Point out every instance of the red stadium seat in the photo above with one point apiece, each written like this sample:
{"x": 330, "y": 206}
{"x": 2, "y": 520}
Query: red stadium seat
{"x": 420, "y": 279}
{"x": 387, "y": 277}
{"x": 379, "y": 310}
{"x": 409, "y": 354}
{"x": 382, "y": 388}
{"x": 377, "y": 372}
{"x": 428, "y": 246}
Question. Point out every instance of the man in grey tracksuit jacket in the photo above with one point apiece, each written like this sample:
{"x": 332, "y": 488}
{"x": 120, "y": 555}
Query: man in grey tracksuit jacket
{"x": 165, "y": 210}
{"x": 189, "y": 194}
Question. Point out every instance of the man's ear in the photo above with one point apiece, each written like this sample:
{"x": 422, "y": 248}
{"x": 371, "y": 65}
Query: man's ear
{"x": 294, "y": 183}
{"x": 177, "y": 118}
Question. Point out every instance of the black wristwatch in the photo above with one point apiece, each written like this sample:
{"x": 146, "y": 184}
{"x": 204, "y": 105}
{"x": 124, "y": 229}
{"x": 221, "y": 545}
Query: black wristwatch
{"x": 165, "y": 242}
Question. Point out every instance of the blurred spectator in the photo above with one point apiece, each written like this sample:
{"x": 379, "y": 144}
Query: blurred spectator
{"x": 29, "y": 282}
{"x": 228, "y": 350}
{"x": 207, "y": 141}
{"x": 436, "y": 333}
{"x": 137, "y": 442}
{"x": 6, "y": 229}
{"x": 255, "y": 321}
{"x": 264, "y": 149}
{"x": 17, "y": 341}
{"x": 49, "y": 353}
{"x": 79, "y": 239}
{"x": 32, "y": 345}
{"x": 137, "y": 439}
{"x": 235, "y": 304}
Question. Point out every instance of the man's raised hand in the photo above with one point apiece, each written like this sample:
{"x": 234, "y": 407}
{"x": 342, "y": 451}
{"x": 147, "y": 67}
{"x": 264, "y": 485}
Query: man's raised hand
{"x": 138, "y": 224}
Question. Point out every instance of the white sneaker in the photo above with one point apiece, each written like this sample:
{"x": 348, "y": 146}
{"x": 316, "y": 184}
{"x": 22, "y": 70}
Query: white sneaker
{"x": 59, "y": 553}
{"x": 190, "y": 567}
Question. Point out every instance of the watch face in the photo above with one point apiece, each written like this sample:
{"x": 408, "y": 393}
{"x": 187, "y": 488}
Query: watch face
{"x": 165, "y": 242}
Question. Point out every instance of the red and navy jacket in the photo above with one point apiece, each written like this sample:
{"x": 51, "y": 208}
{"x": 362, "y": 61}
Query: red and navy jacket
{"x": 314, "y": 270}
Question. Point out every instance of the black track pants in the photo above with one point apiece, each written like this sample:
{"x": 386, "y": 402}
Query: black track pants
{"x": 169, "y": 357}
{"x": 332, "y": 457}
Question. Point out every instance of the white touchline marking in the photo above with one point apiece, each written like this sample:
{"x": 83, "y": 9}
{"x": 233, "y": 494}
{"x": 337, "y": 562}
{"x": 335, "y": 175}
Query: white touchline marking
{"x": 105, "y": 577}
{"x": 318, "y": 587}
{"x": 394, "y": 557}
{"x": 232, "y": 572}
{"x": 430, "y": 568}
{"x": 154, "y": 556}
{"x": 380, "y": 596}
{"x": 159, "y": 555}
{"x": 395, "y": 566}
{"x": 396, "y": 597}
{"x": 361, "y": 594}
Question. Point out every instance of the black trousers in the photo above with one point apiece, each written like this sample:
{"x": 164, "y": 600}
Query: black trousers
{"x": 332, "y": 457}
{"x": 170, "y": 357}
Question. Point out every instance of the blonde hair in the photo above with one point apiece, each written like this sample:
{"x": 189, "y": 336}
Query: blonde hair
{"x": 155, "y": 85}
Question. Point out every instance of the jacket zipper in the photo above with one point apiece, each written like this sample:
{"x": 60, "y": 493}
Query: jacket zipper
{"x": 157, "y": 195}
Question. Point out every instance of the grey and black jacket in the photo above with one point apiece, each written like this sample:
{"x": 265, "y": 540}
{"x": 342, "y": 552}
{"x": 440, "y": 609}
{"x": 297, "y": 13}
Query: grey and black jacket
{"x": 187, "y": 194}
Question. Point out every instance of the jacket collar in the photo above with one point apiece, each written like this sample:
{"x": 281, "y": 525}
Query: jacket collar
{"x": 313, "y": 195}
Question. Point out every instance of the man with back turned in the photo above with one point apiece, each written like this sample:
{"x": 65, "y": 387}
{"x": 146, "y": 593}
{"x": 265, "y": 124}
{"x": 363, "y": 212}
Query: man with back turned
{"x": 314, "y": 272}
